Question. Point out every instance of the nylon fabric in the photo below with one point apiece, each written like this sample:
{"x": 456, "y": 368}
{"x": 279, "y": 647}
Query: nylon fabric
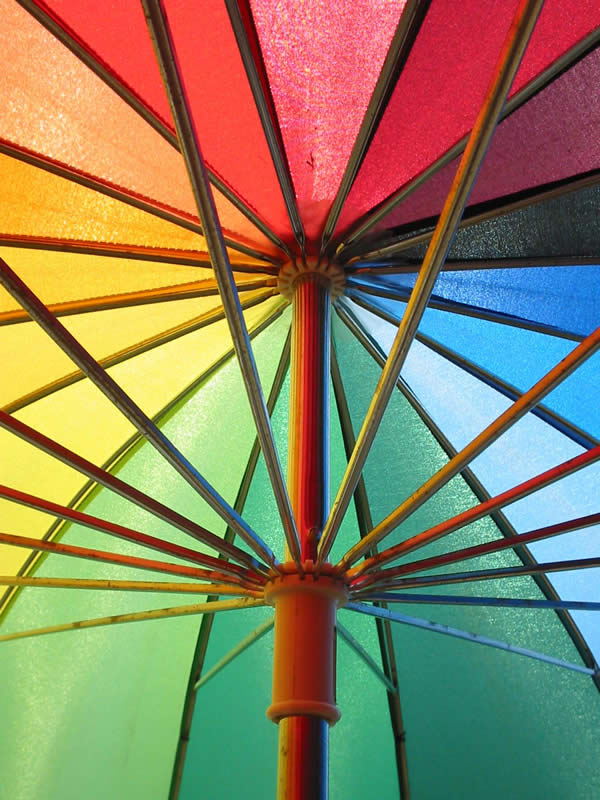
{"x": 102, "y": 668}
{"x": 64, "y": 277}
{"x": 73, "y": 416}
{"x": 568, "y": 298}
{"x": 318, "y": 49}
{"x": 550, "y": 138}
{"x": 522, "y": 743}
{"x": 64, "y": 112}
{"x": 433, "y": 107}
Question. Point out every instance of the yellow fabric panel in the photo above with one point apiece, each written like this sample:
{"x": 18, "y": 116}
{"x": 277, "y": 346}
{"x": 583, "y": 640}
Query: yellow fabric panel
{"x": 32, "y": 359}
{"x": 37, "y": 203}
{"x": 60, "y": 277}
{"x": 74, "y": 416}
{"x": 52, "y": 104}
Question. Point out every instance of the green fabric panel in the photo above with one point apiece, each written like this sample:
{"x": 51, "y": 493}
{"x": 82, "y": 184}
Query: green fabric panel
{"x": 95, "y": 714}
{"x": 233, "y": 746}
{"x": 479, "y": 722}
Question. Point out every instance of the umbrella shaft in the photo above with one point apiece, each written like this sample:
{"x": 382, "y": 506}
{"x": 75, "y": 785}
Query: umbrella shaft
{"x": 303, "y": 758}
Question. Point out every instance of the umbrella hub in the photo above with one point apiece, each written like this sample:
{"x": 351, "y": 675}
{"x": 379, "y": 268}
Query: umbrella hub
{"x": 323, "y": 269}
{"x": 304, "y": 658}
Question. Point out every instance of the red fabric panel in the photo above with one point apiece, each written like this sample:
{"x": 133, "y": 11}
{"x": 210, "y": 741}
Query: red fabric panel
{"x": 323, "y": 59}
{"x": 441, "y": 89}
{"x": 116, "y": 33}
{"x": 230, "y": 131}
{"x": 552, "y": 137}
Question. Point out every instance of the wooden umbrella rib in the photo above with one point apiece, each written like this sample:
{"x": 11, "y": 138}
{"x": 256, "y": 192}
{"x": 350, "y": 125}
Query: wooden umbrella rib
{"x": 139, "y": 616}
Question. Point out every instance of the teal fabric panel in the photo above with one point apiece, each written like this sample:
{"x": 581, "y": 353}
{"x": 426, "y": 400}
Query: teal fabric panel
{"x": 479, "y": 723}
{"x": 233, "y": 746}
{"x": 95, "y": 714}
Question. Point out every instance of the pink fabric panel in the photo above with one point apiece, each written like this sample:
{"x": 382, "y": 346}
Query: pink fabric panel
{"x": 551, "y": 137}
{"x": 323, "y": 59}
{"x": 441, "y": 89}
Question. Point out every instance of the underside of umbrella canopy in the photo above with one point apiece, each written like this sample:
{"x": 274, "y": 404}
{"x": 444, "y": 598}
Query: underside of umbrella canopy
{"x": 299, "y": 332}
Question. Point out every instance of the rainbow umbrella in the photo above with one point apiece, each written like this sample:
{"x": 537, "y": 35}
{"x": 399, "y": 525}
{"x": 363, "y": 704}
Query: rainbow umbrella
{"x": 299, "y": 399}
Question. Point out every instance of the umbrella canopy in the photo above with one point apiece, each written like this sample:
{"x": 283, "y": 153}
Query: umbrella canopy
{"x": 251, "y": 250}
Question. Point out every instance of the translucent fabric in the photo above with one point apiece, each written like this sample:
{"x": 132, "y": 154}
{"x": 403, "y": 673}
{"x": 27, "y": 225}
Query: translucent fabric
{"x": 435, "y": 102}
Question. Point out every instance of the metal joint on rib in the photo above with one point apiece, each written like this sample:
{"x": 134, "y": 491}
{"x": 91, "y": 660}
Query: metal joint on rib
{"x": 143, "y": 423}
{"x": 436, "y": 254}
{"x": 159, "y": 30}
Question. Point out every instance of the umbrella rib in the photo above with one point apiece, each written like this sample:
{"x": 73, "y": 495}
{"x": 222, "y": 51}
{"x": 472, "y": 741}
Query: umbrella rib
{"x": 253, "y": 637}
{"x": 159, "y": 30}
{"x": 504, "y": 526}
{"x": 171, "y": 334}
{"x": 227, "y": 573}
{"x": 136, "y": 416}
{"x": 207, "y": 620}
{"x": 454, "y": 307}
{"x": 139, "y": 616}
{"x": 408, "y": 27}
{"x": 557, "y": 421}
{"x": 384, "y": 632}
{"x": 122, "y": 532}
{"x": 481, "y": 212}
{"x": 164, "y": 294}
{"x": 112, "y": 80}
{"x": 240, "y": 16}
{"x": 110, "y": 481}
{"x": 137, "y": 437}
{"x": 146, "y": 204}
{"x": 372, "y": 218}
{"x": 477, "y": 445}
{"x": 475, "y": 638}
{"x": 483, "y": 509}
{"x": 471, "y": 600}
{"x": 400, "y": 267}
{"x": 128, "y": 586}
{"x": 446, "y": 579}
{"x": 479, "y": 139}
{"x": 188, "y": 258}
{"x": 355, "y": 645}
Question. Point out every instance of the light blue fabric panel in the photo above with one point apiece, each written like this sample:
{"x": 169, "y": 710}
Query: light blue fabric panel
{"x": 564, "y": 297}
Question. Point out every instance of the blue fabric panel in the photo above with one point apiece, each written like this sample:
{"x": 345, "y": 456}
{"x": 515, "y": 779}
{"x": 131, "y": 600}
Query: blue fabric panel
{"x": 564, "y": 297}
{"x": 518, "y": 356}
{"x": 525, "y": 450}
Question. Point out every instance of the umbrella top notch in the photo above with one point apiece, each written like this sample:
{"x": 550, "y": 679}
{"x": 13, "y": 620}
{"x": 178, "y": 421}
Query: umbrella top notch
{"x": 329, "y": 271}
